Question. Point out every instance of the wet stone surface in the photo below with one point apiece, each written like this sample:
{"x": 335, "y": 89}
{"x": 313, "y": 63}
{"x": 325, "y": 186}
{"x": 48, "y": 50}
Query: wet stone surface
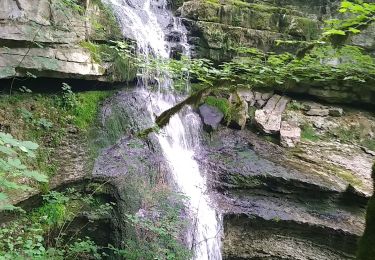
{"x": 272, "y": 207}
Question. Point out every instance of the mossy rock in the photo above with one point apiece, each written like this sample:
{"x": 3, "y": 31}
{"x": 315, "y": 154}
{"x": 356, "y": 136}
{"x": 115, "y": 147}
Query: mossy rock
{"x": 252, "y": 16}
{"x": 103, "y": 23}
{"x": 366, "y": 249}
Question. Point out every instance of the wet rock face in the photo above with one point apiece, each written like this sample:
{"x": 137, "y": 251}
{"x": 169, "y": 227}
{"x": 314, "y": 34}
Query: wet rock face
{"x": 125, "y": 160}
{"x": 366, "y": 249}
{"x": 339, "y": 93}
{"x": 211, "y": 116}
{"x": 258, "y": 24}
{"x": 279, "y": 204}
{"x": 254, "y": 238}
{"x": 223, "y": 25}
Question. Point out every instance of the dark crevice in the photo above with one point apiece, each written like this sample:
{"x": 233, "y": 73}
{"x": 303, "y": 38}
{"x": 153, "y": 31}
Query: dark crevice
{"x": 53, "y": 85}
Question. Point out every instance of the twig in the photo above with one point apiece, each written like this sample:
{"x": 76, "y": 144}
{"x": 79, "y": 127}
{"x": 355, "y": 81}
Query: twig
{"x": 23, "y": 58}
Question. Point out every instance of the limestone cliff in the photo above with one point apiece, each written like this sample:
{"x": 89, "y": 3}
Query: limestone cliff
{"x": 44, "y": 38}
{"x": 218, "y": 28}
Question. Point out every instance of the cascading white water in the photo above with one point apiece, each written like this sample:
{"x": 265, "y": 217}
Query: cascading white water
{"x": 176, "y": 143}
{"x": 144, "y": 21}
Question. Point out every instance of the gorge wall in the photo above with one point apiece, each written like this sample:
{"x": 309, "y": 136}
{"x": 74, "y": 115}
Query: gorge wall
{"x": 309, "y": 195}
{"x": 47, "y": 39}
{"x": 218, "y": 28}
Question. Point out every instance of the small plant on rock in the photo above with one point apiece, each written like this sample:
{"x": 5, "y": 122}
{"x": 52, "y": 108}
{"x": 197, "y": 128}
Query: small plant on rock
{"x": 68, "y": 100}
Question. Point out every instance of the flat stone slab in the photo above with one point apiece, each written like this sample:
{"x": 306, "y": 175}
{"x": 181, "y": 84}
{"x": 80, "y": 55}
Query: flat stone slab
{"x": 268, "y": 119}
{"x": 66, "y": 60}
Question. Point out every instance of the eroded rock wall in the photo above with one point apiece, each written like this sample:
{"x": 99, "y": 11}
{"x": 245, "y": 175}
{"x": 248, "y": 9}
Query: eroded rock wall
{"x": 218, "y": 28}
{"x": 44, "y": 38}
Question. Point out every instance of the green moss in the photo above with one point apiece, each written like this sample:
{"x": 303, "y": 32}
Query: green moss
{"x": 353, "y": 134}
{"x": 295, "y": 105}
{"x": 39, "y": 118}
{"x": 308, "y": 133}
{"x": 349, "y": 177}
{"x": 104, "y": 22}
{"x": 366, "y": 248}
{"x": 302, "y": 27}
{"x": 94, "y": 49}
{"x": 123, "y": 63}
{"x": 246, "y": 182}
{"x": 256, "y": 6}
{"x": 309, "y": 28}
{"x": 214, "y": 2}
{"x": 85, "y": 113}
{"x": 221, "y": 103}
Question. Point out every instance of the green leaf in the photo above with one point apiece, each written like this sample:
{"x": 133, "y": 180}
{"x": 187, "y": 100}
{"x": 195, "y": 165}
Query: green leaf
{"x": 8, "y": 207}
{"x": 36, "y": 176}
{"x": 334, "y": 32}
{"x": 16, "y": 163}
{"x": 29, "y": 145}
{"x": 3, "y": 196}
{"x": 8, "y": 139}
{"x": 346, "y": 4}
{"x": 7, "y": 150}
{"x": 354, "y": 30}
{"x": 14, "y": 186}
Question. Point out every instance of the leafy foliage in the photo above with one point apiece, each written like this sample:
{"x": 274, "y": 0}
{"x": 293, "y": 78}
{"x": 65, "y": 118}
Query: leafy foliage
{"x": 68, "y": 98}
{"x": 254, "y": 69}
{"x": 13, "y": 168}
{"x": 119, "y": 54}
{"x": 42, "y": 234}
{"x": 74, "y": 5}
{"x": 357, "y": 16}
{"x": 325, "y": 65}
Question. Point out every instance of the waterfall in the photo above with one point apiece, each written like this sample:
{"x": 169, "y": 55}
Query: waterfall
{"x": 146, "y": 22}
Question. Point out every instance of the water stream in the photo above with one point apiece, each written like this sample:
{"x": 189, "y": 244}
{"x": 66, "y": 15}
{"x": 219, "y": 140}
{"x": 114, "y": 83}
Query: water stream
{"x": 148, "y": 22}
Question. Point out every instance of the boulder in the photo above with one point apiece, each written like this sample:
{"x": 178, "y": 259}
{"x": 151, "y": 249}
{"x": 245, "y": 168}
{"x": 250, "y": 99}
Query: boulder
{"x": 323, "y": 123}
{"x": 317, "y": 112}
{"x": 268, "y": 119}
{"x": 247, "y": 95}
{"x": 240, "y": 112}
{"x": 261, "y": 98}
{"x": 211, "y": 116}
{"x": 335, "y": 111}
{"x": 290, "y": 134}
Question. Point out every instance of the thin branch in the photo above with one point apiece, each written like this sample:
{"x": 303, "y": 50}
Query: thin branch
{"x": 23, "y": 58}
